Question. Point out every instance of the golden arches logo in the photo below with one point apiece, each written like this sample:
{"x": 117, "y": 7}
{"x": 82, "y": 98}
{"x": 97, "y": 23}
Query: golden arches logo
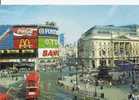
{"x": 24, "y": 43}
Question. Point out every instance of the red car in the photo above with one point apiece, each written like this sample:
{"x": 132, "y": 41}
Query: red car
{"x": 32, "y": 83}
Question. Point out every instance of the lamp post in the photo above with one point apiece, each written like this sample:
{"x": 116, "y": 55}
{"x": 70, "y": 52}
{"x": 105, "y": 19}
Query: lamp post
{"x": 76, "y": 75}
{"x": 76, "y": 85}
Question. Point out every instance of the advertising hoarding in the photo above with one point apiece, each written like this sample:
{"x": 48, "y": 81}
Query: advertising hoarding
{"x": 25, "y": 43}
{"x": 48, "y": 46}
{"x": 61, "y": 39}
{"x": 48, "y": 53}
{"x": 6, "y": 37}
{"x": 47, "y": 42}
{"x": 24, "y": 32}
{"x": 25, "y": 37}
{"x": 20, "y": 53}
{"x": 47, "y": 31}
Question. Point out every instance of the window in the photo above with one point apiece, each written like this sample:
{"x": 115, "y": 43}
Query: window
{"x": 99, "y": 53}
{"x": 103, "y": 52}
{"x": 103, "y": 62}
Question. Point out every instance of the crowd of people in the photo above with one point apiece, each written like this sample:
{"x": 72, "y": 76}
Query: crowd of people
{"x": 11, "y": 73}
{"x": 133, "y": 97}
{"x": 8, "y": 74}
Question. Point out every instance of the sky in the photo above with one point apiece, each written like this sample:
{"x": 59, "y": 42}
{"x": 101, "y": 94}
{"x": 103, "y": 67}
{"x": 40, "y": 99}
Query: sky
{"x": 73, "y": 20}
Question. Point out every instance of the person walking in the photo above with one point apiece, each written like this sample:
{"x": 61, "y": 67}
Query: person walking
{"x": 130, "y": 96}
{"x": 110, "y": 83}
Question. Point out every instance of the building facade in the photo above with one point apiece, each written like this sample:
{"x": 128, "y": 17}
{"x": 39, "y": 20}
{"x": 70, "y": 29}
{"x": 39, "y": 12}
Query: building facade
{"x": 70, "y": 53}
{"x": 109, "y": 46}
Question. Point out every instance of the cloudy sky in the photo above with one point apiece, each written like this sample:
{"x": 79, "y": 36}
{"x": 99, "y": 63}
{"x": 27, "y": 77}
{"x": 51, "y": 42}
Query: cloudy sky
{"x": 71, "y": 20}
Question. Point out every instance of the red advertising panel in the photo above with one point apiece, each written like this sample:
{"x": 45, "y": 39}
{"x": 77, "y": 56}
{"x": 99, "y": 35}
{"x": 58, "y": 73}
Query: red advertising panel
{"x": 25, "y": 37}
{"x": 25, "y": 43}
{"x": 24, "y": 32}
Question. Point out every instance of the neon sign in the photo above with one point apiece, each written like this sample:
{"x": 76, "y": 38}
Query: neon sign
{"x": 47, "y": 42}
{"x": 25, "y": 43}
{"x": 50, "y": 53}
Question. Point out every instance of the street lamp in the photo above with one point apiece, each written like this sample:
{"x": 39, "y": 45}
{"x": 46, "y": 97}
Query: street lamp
{"x": 76, "y": 64}
{"x": 76, "y": 85}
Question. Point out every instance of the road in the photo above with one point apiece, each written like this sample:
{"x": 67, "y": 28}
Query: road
{"x": 50, "y": 90}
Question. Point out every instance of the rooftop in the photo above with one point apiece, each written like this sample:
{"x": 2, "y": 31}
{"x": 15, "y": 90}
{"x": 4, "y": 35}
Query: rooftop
{"x": 108, "y": 29}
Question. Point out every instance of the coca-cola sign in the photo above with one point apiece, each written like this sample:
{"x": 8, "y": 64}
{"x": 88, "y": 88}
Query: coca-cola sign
{"x": 24, "y": 31}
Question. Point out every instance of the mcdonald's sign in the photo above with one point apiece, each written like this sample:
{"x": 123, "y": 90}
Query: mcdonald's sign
{"x": 25, "y": 43}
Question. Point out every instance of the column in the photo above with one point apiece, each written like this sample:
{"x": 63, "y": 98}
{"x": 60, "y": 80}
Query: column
{"x": 97, "y": 64}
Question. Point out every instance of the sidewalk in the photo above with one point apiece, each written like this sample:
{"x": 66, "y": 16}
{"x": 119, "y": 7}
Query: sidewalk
{"x": 113, "y": 93}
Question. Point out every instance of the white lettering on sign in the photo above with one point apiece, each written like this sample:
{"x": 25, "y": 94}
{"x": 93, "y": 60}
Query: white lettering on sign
{"x": 47, "y": 31}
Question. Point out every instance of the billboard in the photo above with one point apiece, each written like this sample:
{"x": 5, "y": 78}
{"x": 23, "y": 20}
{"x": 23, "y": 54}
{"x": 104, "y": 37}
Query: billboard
{"x": 47, "y": 31}
{"x": 6, "y": 37}
{"x": 47, "y": 42}
{"x": 48, "y": 46}
{"x": 24, "y": 32}
{"x": 25, "y": 43}
{"x": 61, "y": 39}
{"x": 48, "y": 53}
{"x": 25, "y": 37}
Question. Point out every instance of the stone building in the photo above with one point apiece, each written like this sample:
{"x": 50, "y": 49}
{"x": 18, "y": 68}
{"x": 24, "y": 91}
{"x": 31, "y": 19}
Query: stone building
{"x": 109, "y": 46}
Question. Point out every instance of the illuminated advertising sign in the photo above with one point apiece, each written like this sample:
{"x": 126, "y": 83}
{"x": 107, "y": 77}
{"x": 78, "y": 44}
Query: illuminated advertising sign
{"x": 47, "y": 42}
{"x": 61, "y": 39}
{"x": 20, "y": 53}
{"x": 24, "y": 32}
{"x": 48, "y": 53}
{"x": 25, "y": 37}
{"x": 25, "y": 43}
{"x": 6, "y": 37}
{"x": 46, "y": 31}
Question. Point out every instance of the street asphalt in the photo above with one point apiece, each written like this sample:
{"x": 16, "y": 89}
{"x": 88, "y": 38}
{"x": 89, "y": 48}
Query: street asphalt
{"x": 50, "y": 90}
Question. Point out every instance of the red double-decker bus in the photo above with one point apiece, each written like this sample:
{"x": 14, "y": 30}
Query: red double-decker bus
{"x": 32, "y": 83}
{"x": 4, "y": 96}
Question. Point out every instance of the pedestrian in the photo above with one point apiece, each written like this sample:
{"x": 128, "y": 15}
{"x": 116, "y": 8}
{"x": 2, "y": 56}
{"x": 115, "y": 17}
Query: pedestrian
{"x": 72, "y": 88}
{"x": 110, "y": 83}
{"x": 101, "y": 87}
{"x": 130, "y": 96}
{"x": 133, "y": 97}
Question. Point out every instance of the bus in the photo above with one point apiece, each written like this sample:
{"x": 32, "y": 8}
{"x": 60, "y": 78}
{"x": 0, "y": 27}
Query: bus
{"x": 4, "y": 96}
{"x": 32, "y": 83}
